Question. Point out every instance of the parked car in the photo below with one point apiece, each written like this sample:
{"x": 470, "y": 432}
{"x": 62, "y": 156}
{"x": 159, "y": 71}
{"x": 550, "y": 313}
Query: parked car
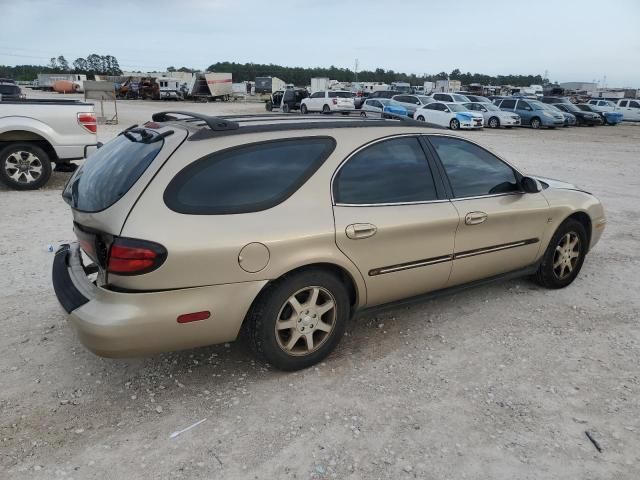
{"x": 328, "y": 101}
{"x": 450, "y": 97}
{"x": 384, "y": 107}
{"x": 384, "y": 94}
{"x": 477, "y": 98}
{"x": 286, "y": 100}
{"x": 532, "y": 112}
{"x": 34, "y": 134}
{"x": 608, "y": 110}
{"x": 569, "y": 118}
{"x": 176, "y": 231}
{"x": 9, "y": 90}
{"x": 451, "y": 115}
{"x": 412, "y": 102}
{"x": 582, "y": 117}
{"x": 630, "y": 109}
{"x": 598, "y": 117}
{"x": 493, "y": 116}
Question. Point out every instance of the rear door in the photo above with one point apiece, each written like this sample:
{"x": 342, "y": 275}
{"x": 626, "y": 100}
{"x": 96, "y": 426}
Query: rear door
{"x": 500, "y": 227}
{"x": 392, "y": 219}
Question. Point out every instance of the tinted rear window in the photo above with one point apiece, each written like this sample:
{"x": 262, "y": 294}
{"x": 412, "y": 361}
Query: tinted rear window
{"x": 341, "y": 95}
{"x": 246, "y": 179}
{"x": 109, "y": 173}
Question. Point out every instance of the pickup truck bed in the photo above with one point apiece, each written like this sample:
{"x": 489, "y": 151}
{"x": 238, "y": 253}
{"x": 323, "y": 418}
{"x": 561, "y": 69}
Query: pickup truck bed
{"x": 36, "y": 133}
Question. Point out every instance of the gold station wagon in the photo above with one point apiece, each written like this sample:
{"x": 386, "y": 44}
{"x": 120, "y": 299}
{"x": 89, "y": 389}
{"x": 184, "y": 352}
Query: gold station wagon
{"x": 192, "y": 229}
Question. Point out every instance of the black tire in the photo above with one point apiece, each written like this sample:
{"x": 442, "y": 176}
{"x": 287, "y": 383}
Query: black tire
{"x": 363, "y": 114}
{"x": 454, "y": 124}
{"x": 268, "y": 106}
{"x": 494, "y": 122}
{"x": 17, "y": 152}
{"x": 303, "y": 109}
{"x": 548, "y": 275}
{"x": 420, "y": 118}
{"x": 535, "y": 123}
{"x": 285, "y": 108}
{"x": 270, "y": 304}
{"x": 326, "y": 109}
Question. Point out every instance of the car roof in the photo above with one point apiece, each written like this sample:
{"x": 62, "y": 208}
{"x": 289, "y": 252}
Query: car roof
{"x": 205, "y": 127}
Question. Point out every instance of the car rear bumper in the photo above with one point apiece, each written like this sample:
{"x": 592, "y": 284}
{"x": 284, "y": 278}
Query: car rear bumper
{"x": 125, "y": 324}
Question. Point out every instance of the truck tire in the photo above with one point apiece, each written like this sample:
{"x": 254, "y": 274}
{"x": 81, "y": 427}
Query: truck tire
{"x": 268, "y": 106}
{"x": 24, "y": 166}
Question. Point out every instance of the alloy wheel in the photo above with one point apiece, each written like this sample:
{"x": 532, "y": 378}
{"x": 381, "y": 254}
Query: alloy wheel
{"x": 306, "y": 321}
{"x": 567, "y": 255}
{"x": 23, "y": 167}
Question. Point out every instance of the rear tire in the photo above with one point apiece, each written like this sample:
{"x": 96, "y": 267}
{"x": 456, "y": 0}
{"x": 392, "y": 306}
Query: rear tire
{"x": 326, "y": 109}
{"x": 269, "y": 106}
{"x": 562, "y": 262}
{"x": 277, "y": 329}
{"x": 285, "y": 108}
{"x": 24, "y": 166}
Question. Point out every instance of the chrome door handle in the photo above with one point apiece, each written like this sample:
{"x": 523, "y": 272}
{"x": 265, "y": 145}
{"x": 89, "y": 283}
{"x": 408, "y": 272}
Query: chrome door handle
{"x": 357, "y": 231}
{"x": 475, "y": 218}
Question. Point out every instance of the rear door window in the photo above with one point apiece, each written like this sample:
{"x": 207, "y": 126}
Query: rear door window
{"x": 246, "y": 179}
{"x": 109, "y": 173}
{"x": 391, "y": 171}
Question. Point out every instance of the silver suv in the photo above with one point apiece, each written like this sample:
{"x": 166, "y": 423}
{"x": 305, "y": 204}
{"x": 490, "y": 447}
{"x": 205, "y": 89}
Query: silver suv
{"x": 192, "y": 230}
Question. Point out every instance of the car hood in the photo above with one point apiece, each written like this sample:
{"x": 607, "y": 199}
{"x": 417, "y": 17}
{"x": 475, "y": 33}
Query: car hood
{"x": 559, "y": 184}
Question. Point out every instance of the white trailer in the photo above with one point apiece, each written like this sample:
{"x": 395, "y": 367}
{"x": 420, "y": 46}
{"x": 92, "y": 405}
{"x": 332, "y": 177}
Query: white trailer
{"x": 429, "y": 87}
{"x": 220, "y": 85}
{"x": 170, "y": 88}
{"x": 447, "y": 86}
{"x": 320, "y": 84}
{"x": 277, "y": 84}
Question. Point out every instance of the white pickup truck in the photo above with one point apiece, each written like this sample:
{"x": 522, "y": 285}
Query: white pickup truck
{"x": 36, "y": 133}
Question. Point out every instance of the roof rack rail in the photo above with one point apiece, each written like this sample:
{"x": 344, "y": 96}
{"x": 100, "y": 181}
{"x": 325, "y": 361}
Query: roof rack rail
{"x": 214, "y": 123}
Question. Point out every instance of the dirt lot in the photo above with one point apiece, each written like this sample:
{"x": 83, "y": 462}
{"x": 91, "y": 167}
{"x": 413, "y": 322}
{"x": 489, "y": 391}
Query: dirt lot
{"x": 499, "y": 382}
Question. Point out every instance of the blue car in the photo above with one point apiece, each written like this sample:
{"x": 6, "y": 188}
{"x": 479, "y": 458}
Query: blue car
{"x": 532, "y": 112}
{"x": 383, "y": 106}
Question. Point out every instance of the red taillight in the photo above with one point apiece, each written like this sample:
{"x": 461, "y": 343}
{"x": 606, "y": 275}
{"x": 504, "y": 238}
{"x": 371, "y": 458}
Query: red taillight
{"x": 128, "y": 256}
{"x": 335, "y": 101}
{"x": 88, "y": 121}
{"x": 193, "y": 317}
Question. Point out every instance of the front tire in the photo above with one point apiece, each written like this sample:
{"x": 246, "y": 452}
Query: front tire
{"x": 536, "y": 123}
{"x": 303, "y": 109}
{"x": 494, "y": 122}
{"x": 454, "y": 124}
{"x": 24, "y": 166}
{"x": 564, "y": 256}
{"x": 298, "y": 320}
{"x": 420, "y": 118}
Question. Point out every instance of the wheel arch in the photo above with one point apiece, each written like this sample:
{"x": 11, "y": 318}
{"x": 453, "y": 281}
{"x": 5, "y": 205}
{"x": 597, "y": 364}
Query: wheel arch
{"x": 585, "y": 220}
{"x": 27, "y": 136}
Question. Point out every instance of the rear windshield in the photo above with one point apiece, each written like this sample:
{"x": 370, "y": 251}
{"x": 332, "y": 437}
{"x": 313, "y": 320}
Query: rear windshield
{"x": 109, "y": 173}
{"x": 341, "y": 95}
{"x": 246, "y": 179}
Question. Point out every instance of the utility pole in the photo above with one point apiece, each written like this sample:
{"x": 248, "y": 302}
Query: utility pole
{"x": 356, "y": 70}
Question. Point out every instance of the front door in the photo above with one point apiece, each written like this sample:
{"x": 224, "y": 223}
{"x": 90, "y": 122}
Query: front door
{"x": 500, "y": 227}
{"x": 393, "y": 221}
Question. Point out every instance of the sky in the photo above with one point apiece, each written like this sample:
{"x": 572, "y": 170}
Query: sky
{"x": 571, "y": 40}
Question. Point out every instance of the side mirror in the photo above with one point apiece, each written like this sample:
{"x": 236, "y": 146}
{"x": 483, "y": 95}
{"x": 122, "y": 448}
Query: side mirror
{"x": 530, "y": 185}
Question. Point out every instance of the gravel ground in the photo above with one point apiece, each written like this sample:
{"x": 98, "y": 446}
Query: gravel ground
{"x": 499, "y": 382}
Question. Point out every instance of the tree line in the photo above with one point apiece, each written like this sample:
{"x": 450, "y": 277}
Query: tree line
{"x": 301, "y": 76}
{"x": 94, "y": 64}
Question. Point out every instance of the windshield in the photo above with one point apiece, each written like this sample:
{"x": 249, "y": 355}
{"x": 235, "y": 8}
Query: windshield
{"x": 552, "y": 108}
{"x": 537, "y": 105}
{"x": 571, "y": 107}
{"x": 109, "y": 173}
{"x": 384, "y": 101}
{"x": 490, "y": 106}
{"x": 456, "y": 107}
{"x": 460, "y": 98}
